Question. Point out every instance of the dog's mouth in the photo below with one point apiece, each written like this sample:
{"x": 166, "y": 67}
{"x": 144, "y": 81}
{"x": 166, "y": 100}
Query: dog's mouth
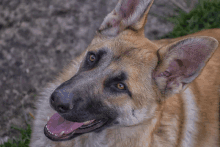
{"x": 59, "y": 129}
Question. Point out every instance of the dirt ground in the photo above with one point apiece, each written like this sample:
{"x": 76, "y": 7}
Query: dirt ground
{"x": 39, "y": 37}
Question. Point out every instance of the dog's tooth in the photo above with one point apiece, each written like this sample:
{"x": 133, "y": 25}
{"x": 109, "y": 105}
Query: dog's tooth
{"x": 87, "y": 122}
{"x": 62, "y": 133}
{"x": 71, "y": 129}
{"x": 48, "y": 118}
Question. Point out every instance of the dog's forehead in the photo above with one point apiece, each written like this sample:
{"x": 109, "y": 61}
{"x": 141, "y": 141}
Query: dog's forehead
{"x": 124, "y": 44}
{"x": 133, "y": 54}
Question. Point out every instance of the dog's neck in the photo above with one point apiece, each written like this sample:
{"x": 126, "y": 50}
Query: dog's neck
{"x": 124, "y": 136}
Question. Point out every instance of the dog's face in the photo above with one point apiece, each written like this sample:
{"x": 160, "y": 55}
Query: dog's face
{"x": 113, "y": 86}
{"x": 123, "y": 76}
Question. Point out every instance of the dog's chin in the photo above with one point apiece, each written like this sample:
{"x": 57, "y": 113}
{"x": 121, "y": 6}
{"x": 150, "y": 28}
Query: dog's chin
{"x": 59, "y": 129}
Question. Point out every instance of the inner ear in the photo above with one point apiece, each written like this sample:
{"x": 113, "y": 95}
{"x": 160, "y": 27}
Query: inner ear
{"x": 127, "y": 14}
{"x": 126, "y": 8}
{"x": 181, "y": 62}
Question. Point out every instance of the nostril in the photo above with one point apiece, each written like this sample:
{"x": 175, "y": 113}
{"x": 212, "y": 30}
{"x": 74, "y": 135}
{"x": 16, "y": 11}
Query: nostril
{"x": 62, "y": 109}
{"x": 52, "y": 99}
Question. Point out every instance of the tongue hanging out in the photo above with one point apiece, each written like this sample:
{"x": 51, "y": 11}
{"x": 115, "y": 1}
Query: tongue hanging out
{"x": 59, "y": 127}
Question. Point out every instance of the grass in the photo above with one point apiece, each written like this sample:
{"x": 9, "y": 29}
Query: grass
{"x": 206, "y": 15}
{"x": 22, "y": 141}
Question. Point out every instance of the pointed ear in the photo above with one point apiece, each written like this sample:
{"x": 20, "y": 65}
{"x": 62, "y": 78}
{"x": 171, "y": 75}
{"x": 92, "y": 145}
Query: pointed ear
{"x": 127, "y": 14}
{"x": 181, "y": 62}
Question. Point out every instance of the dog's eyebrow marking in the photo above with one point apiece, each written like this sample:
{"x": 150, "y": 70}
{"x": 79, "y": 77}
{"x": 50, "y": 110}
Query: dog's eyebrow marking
{"x": 102, "y": 51}
{"x": 120, "y": 77}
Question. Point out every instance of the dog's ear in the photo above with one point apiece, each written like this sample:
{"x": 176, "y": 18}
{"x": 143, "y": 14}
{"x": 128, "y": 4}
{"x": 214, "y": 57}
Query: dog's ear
{"x": 181, "y": 62}
{"x": 130, "y": 14}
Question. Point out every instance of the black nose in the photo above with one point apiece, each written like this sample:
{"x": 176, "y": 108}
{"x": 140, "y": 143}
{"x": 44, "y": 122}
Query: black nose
{"x": 61, "y": 100}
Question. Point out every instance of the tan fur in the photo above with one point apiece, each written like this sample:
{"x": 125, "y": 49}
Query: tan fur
{"x": 188, "y": 118}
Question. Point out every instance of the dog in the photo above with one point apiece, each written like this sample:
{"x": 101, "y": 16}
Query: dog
{"x": 128, "y": 91}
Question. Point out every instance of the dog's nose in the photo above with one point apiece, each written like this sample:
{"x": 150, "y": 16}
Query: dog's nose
{"x": 61, "y": 100}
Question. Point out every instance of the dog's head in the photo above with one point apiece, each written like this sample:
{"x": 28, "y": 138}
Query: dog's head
{"x": 123, "y": 76}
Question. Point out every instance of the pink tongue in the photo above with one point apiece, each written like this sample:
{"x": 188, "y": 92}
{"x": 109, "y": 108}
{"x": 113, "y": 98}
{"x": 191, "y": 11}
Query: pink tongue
{"x": 57, "y": 124}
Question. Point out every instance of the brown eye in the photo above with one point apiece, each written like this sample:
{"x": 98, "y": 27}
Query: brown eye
{"x": 120, "y": 86}
{"x": 92, "y": 58}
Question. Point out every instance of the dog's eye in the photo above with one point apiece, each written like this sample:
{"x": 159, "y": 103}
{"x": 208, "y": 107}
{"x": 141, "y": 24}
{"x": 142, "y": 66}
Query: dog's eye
{"x": 120, "y": 86}
{"x": 91, "y": 60}
{"x": 92, "y": 57}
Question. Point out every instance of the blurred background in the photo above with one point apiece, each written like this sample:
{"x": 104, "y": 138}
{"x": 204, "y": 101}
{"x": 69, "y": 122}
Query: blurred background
{"x": 39, "y": 37}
